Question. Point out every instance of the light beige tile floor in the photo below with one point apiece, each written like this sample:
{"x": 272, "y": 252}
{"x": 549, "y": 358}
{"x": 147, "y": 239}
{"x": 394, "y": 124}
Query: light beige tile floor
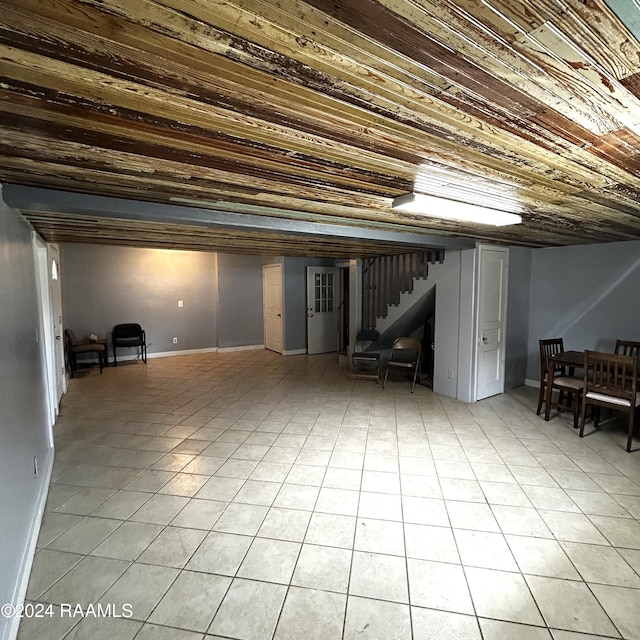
{"x": 253, "y": 496}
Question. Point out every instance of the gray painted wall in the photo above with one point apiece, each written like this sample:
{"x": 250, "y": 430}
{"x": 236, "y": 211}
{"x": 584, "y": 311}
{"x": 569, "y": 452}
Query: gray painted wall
{"x": 295, "y": 304}
{"x": 103, "y": 286}
{"x": 23, "y": 413}
{"x": 240, "y": 308}
{"x": 446, "y": 277}
{"x": 587, "y": 295}
{"x": 517, "y": 333}
{"x": 222, "y": 295}
{"x": 466, "y": 389}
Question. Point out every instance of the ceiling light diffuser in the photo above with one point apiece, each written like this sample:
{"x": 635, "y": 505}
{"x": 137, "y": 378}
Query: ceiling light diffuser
{"x": 452, "y": 210}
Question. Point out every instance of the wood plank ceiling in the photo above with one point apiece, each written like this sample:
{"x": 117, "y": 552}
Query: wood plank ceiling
{"x": 324, "y": 110}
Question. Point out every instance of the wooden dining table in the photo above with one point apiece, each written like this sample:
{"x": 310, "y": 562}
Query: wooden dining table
{"x": 573, "y": 360}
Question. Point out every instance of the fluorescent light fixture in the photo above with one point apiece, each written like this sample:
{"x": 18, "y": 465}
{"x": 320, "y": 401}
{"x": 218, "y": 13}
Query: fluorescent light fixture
{"x": 452, "y": 210}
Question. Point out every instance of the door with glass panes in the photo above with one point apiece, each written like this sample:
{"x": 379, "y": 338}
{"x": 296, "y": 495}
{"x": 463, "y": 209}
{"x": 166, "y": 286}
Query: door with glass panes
{"x": 323, "y": 299}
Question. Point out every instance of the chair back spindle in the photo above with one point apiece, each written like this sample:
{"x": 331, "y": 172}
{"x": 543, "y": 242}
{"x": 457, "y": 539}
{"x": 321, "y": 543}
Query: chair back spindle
{"x": 627, "y": 348}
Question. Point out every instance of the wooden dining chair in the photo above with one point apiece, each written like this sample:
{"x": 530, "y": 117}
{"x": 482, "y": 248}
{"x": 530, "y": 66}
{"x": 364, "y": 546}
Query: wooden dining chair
{"x": 547, "y": 348}
{"x": 568, "y": 387}
{"x": 627, "y": 348}
{"x": 610, "y": 381}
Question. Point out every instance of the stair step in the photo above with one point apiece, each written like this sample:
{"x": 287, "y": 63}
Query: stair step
{"x": 385, "y": 278}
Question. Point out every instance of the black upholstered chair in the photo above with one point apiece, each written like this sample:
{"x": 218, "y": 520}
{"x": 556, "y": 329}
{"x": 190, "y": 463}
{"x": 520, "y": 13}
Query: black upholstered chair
{"x": 75, "y": 347}
{"x": 129, "y": 335}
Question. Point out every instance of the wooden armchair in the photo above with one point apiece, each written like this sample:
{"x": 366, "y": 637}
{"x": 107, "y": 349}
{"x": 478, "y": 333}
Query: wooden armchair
{"x": 610, "y": 381}
{"x": 75, "y": 347}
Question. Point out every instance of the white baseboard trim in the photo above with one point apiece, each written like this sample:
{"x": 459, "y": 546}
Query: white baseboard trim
{"x": 187, "y": 352}
{"x": 532, "y": 383}
{"x": 20, "y": 591}
{"x": 167, "y": 354}
{"x": 246, "y": 347}
{"x": 294, "y": 352}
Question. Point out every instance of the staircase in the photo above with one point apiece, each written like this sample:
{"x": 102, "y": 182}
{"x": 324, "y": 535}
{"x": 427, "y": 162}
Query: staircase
{"x": 385, "y": 278}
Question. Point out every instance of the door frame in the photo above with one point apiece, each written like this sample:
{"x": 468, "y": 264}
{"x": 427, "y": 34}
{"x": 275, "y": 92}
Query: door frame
{"x": 480, "y": 250}
{"x": 54, "y": 380}
{"x": 62, "y": 375}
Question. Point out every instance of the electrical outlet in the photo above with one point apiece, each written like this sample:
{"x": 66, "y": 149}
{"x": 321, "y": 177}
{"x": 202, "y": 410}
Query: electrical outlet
{"x": 450, "y": 374}
{"x": 175, "y": 341}
{"x": 180, "y": 303}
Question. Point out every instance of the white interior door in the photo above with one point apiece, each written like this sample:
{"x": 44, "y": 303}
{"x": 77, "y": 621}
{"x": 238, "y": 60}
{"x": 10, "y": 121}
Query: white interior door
{"x": 273, "y": 325}
{"x": 323, "y": 298}
{"x": 56, "y": 315}
{"x": 493, "y": 269}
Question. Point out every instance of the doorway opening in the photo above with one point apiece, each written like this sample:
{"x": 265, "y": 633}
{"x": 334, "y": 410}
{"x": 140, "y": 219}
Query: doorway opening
{"x": 343, "y": 321}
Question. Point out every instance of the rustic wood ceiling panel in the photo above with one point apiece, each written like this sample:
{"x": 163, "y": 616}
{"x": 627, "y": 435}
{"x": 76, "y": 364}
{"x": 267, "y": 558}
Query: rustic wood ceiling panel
{"x": 325, "y": 110}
